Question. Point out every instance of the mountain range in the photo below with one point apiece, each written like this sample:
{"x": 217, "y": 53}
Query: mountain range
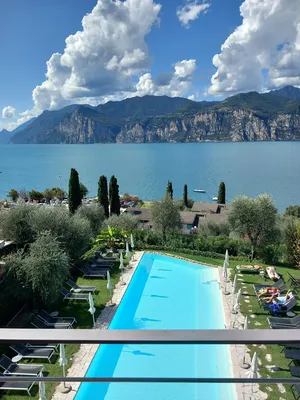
{"x": 151, "y": 119}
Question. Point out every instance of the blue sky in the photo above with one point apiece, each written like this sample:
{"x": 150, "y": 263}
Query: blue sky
{"x": 139, "y": 47}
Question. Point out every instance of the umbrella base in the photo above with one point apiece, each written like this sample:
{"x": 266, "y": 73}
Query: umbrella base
{"x": 244, "y": 365}
{"x": 65, "y": 389}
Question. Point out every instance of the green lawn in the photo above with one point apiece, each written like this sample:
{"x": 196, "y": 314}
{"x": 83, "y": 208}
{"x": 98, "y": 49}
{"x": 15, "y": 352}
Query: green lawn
{"x": 79, "y": 310}
{"x": 278, "y": 358}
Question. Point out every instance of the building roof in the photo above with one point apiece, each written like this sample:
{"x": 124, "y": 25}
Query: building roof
{"x": 188, "y": 217}
{"x": 202, "y": 207}
{"x": 215, "y": 217}
{"x": 142, "y": 214}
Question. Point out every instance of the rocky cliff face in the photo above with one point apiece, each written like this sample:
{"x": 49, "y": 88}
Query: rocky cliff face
{"x": 150, "y": 119}
{"x": 223, "y": 125}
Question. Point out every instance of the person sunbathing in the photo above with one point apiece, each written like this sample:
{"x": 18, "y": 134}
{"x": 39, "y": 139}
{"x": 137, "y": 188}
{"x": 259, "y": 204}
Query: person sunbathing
{"x": 273, "y": 274}
{"x": 275, "y": 299}
{"x": 266, "y": 290}
{"x": 254, "y": 267}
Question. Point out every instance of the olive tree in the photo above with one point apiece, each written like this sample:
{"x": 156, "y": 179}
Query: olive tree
{"x": 73, "y": 232}
{"x": 42, "y": 271}
{"x": 212, "y": 228}
{"x": 124, "y": 221}
{"x": 255, "y": 218}
{"x": 94, "y": 213}
{"x": 166, "y": 216}
{"x": 15, "y": 223}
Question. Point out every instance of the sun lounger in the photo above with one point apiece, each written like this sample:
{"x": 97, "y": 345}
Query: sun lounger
{"x": 39, "y": 324}
{"x": 294, "y": 282}
{"x": 279, "y": 285}
{"x": 24, "y": 386}
{"x": 52, "y": 346}
{"x": 39, "y": 353}
{"x": 100, "y": 257}
{"x": 295, "y": 371}
{"x": 248, "y": 269}
{"x": 49, "y": 320}
{"x": 94, "y": 273}
{"x": 295, "y": 389}
{"x": 284, "y": 321}
{"x": 11, "y": 368}
{"x": 99, "y": 264}
{"x": 273, "y": 274}
{"x": 74, "y": 285}
{"x": 293, "y": 355}
{"x": 74, "y": 296}
{"x": 282, "y": 308}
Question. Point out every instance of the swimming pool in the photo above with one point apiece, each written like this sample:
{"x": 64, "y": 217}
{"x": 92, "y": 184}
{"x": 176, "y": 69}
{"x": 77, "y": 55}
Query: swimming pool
{"x": 165, "y": 293}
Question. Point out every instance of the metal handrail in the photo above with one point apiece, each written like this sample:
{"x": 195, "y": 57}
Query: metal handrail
{"x": 154, "y": 337}
{"x": 97, "y": 336}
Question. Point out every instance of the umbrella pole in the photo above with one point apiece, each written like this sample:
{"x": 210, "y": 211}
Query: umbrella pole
{"x": 65, "y": 388}
{"x": 93, "y": 320}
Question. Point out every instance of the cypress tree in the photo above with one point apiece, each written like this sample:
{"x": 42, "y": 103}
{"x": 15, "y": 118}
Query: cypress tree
{"x": 222, "y": 194}
{"x": 74, "y": 196}
{"x": 170, "y": 190}
{"x": 185, "y": 196}
{"x": 103, "y": 194}
{"x": 114, "y": 198}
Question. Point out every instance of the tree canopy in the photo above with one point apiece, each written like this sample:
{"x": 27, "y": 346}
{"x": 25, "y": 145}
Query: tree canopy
{"x": 169, "y": 191}
{"x": 114, "y": 197}
{"x": 83, "y": 190}
{"x": 103, "y": 194}
{"x": 185, "y": 196}
{"x": 93, "y": 213}
{"x": 293, "y": 211}
{"x": 222, "y": 193}
{"x": 255, "y": 218}
{"x": 74, "y": 191}
{"x": 124, "y": 221}
{"x": 166, "y": 216}
{"x": 41, "y": 271}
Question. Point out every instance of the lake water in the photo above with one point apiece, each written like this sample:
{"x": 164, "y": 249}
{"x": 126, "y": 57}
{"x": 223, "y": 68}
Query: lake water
{"x": 246, "y": 168}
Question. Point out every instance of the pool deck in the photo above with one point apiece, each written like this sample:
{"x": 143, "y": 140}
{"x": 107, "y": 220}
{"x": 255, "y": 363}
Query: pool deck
{"x": 82, "y": 359}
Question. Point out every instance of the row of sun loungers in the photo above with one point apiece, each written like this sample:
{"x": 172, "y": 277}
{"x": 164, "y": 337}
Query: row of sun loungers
{"x": 97, "y": 267}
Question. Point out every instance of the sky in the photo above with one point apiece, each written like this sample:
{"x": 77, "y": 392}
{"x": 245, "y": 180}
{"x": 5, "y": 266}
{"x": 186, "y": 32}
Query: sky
{"x": 55, "y": 53}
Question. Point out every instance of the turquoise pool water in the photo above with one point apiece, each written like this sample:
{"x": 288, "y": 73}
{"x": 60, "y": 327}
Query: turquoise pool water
{"x": 165, "y": 293}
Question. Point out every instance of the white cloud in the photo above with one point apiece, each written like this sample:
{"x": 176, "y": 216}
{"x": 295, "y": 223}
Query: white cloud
{"x": 268, "y": 39}
{"x": 191, "y": 11}
{"x": 8, "y": 112}
{"x": 102, "y": 58}
{"x": 178, "y": 85}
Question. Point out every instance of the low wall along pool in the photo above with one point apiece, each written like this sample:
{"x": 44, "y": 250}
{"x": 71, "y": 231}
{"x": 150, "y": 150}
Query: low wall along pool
{"x": 165, "y": 293}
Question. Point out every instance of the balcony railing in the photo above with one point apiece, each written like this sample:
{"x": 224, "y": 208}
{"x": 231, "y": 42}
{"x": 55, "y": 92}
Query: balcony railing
{"x": 155, "y": 337}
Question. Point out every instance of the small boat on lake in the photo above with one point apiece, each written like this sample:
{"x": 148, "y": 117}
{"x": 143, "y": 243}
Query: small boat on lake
{"x": 214, "y": 199}
{"x": 200, "y": 190}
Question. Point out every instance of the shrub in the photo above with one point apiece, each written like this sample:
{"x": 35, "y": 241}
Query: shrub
{"x": 124, "y": 221}
{"x": 93, "y": 213}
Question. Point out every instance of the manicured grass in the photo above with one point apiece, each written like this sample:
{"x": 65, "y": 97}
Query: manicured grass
{"x": 278, "y": 358}
{"x": 79, "y": 310}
